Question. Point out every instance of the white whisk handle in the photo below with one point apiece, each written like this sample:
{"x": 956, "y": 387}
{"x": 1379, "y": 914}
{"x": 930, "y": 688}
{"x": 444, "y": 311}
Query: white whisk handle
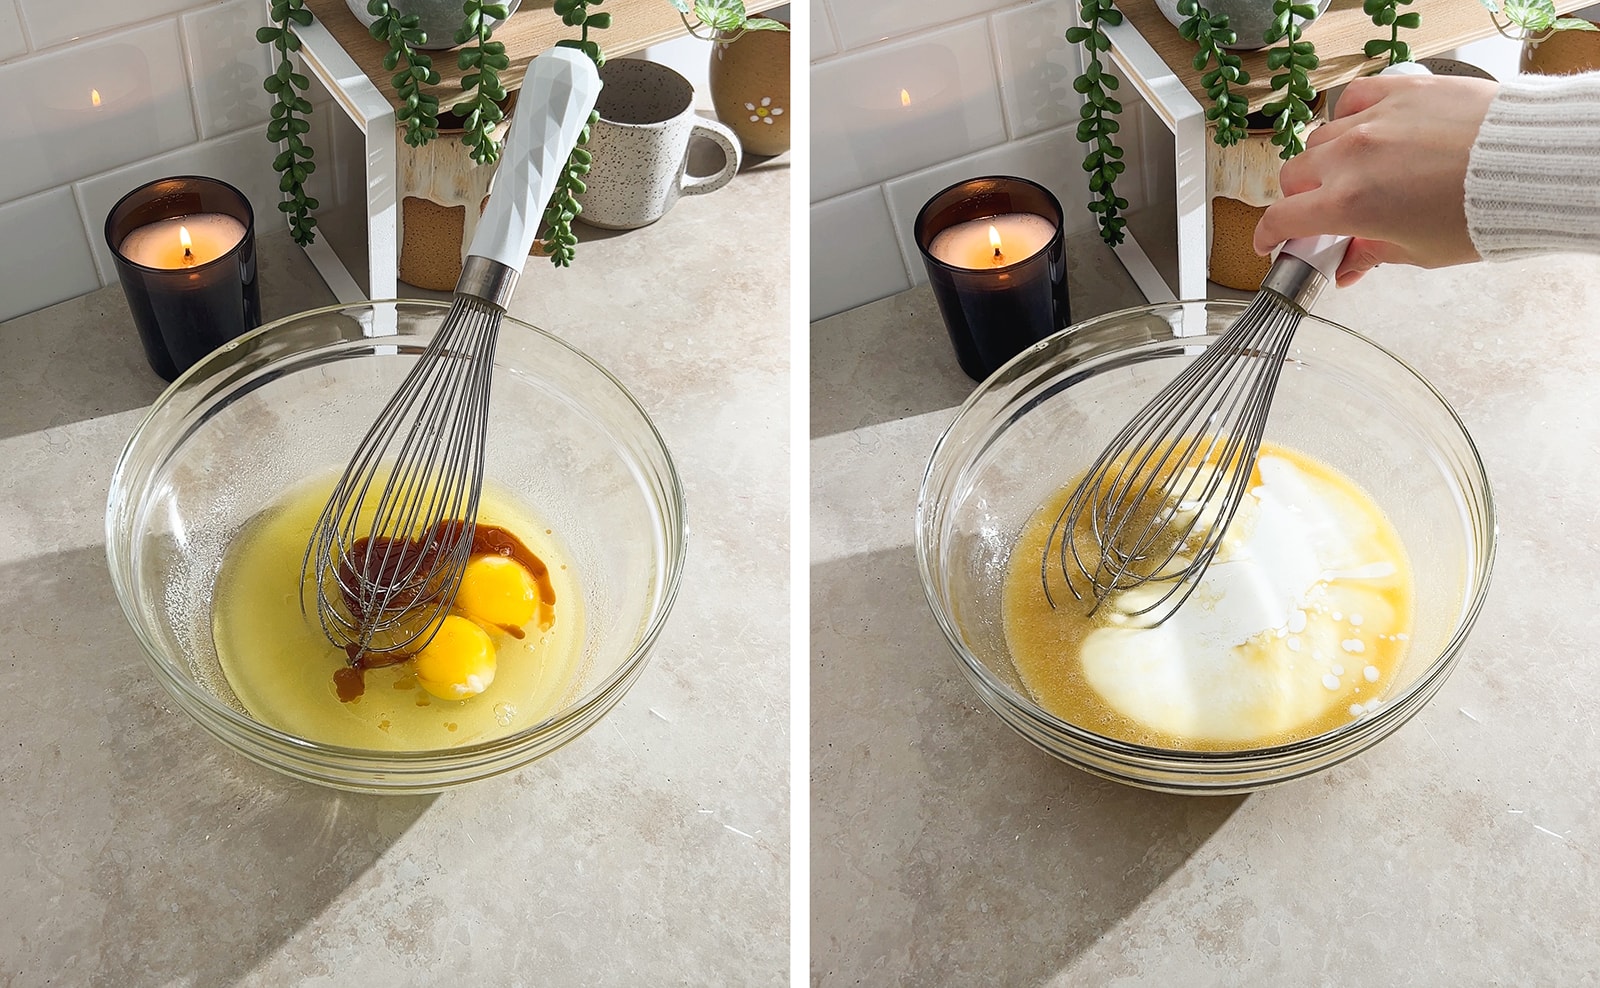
{"x": 558, "y": 93}
{"x": 1324, "y": 252}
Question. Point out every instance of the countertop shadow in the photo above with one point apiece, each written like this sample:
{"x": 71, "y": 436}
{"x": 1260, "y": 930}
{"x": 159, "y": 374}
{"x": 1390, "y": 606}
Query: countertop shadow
{"x": 945, "y": 849}
{"x": 143, "y": 810}
{"x": 81, "y": 359}
{"x": 893, "y": 359}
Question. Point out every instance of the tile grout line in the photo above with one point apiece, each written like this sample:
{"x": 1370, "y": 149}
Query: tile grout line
{"x": 88, "y": 229}
{"x": 22, "y": 25}
{"x": 189, "y": 76}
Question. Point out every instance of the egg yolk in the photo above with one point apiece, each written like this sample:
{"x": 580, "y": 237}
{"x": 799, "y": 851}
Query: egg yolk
{"x": 498, "y": 591}
{"x": 458, "y": 663}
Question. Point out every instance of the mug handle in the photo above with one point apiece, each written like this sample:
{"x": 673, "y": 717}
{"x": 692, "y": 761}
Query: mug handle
{"x": 694, "y": 185}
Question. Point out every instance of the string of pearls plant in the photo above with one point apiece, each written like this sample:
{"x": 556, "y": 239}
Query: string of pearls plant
{"x": 481, "y": 60}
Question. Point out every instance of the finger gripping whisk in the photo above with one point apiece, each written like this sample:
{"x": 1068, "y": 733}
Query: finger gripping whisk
{"x": 388, "y": 552}
{"x": 1147, "y": 519}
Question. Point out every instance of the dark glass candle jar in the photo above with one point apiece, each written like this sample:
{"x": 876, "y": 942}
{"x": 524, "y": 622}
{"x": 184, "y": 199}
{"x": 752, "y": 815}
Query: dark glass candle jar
{"x": 995, "y": 304}
{"x": 185, "y": 251}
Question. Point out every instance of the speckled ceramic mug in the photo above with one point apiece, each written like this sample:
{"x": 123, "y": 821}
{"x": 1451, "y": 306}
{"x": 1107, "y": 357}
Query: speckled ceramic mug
{"x": 641, "y": 146}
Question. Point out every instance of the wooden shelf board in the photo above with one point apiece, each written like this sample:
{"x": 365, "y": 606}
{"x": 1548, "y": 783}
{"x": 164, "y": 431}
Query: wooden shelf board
{"x": 1339, "y": 35}
{"x": 534, "y": 28}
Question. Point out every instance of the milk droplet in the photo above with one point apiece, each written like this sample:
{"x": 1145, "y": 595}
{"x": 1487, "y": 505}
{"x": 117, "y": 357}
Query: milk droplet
{"x": 1371, "y": 672}
{"x": 1330, "y": 681}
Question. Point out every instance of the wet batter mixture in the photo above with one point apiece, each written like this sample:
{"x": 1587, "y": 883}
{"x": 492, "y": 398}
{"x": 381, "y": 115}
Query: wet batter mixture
{"x": 1299, "y": 624}
{"x": 506, "y": 656}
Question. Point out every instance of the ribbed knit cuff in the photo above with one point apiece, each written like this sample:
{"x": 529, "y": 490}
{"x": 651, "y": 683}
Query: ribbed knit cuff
{"x": 1533, "y": 177}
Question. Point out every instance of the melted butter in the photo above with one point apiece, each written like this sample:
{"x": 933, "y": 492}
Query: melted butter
{"x": 282, "y": 667}
{"x": 1298, "y": 626}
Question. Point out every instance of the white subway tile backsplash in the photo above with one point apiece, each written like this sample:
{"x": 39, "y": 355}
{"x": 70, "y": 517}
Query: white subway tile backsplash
{"x": 227, "y": 64}
{"x": 1037, "y": 66}
{"x": 44, "y": 254}
{"x": 243, "y": 160}
{"x": 12, "y": 43}
{"x": 823, "y": 42}
{"x": 854, "y": 258}
{"x": 902, "y": 107}
{"x": 1051, "y": 159}
{"x": 143, "y": 108}
{"x": 863, "y": 23}
{"x": 51, "y": 22}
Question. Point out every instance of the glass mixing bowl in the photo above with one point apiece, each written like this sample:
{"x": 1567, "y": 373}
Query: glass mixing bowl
{"x": 1039, "y": 422}
{"x": 290, "y": 401}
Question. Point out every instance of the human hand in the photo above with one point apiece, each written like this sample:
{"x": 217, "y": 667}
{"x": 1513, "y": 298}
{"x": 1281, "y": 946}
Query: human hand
{"x": 1389, "y": 171}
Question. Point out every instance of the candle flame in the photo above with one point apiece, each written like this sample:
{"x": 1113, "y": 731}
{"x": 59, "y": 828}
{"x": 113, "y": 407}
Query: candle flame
{"x": 183, "y": 237}
{"x": 94, "y": 97}
{"x": 905, "y": 98}
{"x": 994, "y": 238}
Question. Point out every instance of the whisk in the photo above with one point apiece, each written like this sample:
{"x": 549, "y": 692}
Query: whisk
{"x": 388, "y": 552}
{"x": 1159, "y": 498}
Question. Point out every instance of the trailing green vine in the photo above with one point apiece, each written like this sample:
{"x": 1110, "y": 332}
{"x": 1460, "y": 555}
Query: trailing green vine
{"x": 288, "y": 124}
{"x": 482, "y": 61}
{"x": 418, "y": 111}
{"x": 559, "y": 240}
{"x": 1098, "y": 119}
{"x": 1386, "y": 13}
{"x": 1210, "y": 32}
{"x": 1292, "y": 111}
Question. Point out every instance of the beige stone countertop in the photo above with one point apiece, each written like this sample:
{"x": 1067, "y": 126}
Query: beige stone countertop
{"x": 136, "y": 850}
{"x": 1462, "y": 850}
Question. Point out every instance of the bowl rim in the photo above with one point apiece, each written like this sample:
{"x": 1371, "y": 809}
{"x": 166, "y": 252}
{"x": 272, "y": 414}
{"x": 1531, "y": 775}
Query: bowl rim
{"x": 599, "y": 697}
{"x": 1346, "y": 736}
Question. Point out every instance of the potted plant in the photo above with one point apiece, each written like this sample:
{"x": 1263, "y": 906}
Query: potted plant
{"x": 1551, "y": 44}
{"x": 749, "y": 71}
{"x": 480, "y": 109}
{"x": 1282, "y": 120}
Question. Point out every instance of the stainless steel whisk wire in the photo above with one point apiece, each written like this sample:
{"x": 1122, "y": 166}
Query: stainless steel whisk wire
{"x": 441, "y": 458}
{"x": 422, "y": 495}
{"x": 1213, "y": 413}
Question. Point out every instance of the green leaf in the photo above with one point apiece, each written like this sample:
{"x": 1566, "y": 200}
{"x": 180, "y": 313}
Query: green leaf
{"x": 1574, "y": 24}
{"x": 1412, "y": 21}
{"x": 1533, "y": 16}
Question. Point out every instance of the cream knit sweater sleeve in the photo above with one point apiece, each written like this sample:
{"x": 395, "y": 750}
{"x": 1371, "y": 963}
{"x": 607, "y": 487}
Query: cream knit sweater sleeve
{"x": 1533, "y": 177}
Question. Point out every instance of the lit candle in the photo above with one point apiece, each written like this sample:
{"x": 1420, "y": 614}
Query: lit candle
{"x": 996, "y": 262}
{"x": 184, "y": 250}
{"x": 183, "y": 241}
{"x": 992, "y": 241}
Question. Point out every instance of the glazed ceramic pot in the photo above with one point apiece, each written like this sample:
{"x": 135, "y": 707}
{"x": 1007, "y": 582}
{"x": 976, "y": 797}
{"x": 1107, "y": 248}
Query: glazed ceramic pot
{"x": 749, "y": 80}
{"x": 441, "y": 192}
{"x": 1242, "y": 181}
{"x": 438, "y": 19}
{"x": 1249, "y": 19}
{"x": 1562, "y": 53}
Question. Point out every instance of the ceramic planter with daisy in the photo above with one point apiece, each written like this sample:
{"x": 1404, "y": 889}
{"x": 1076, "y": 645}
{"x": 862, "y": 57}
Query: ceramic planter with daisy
{"x": 750, "y": 86}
